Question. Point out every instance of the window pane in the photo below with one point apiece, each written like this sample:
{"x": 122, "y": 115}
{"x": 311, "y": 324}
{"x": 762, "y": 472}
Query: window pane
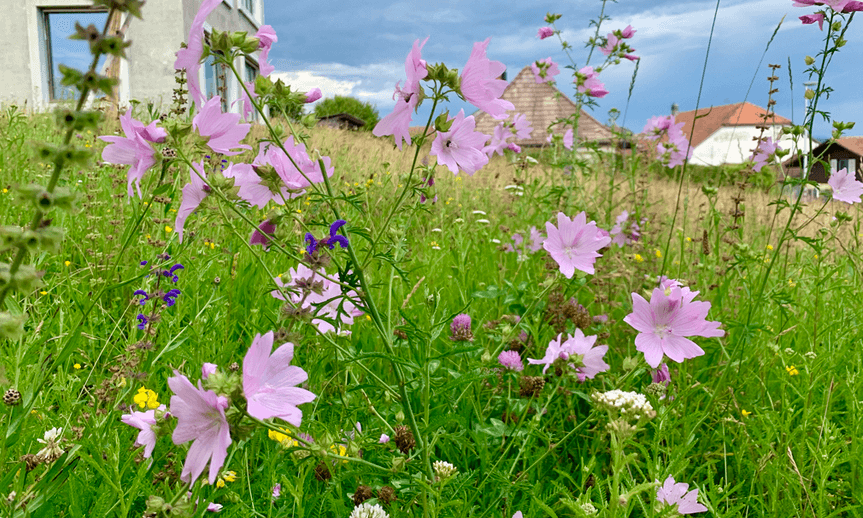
{"x": 249, "y": 5}
{"x": 209, "y": 77}
{"x": 72, "y": 53}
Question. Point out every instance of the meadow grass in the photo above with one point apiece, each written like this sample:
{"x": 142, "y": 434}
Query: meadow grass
{"x": 766, "y": 423}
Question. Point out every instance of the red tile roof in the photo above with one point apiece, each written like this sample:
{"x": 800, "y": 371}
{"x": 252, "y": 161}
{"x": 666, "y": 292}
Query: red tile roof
{"x": 853, "y": 144}
{"x": 711, "y": 119}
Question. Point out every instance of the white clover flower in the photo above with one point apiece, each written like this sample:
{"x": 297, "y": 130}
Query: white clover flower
{"x": 366, "y": 510}
{"x": 52, "y": 450}
{"x": 443, "y": 469}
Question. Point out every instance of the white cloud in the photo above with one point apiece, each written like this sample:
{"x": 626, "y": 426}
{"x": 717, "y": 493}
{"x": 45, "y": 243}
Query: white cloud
{"x": 372, "y": 82}
{"x": 304, "y": 80}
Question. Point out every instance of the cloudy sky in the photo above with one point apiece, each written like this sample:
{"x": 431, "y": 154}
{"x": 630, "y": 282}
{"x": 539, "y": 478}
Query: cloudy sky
{"x": 359, "y": 48}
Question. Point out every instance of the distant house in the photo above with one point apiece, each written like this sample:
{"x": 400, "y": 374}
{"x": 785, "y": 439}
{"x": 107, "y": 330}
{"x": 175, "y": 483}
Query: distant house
{"x": 35, "y": 41}
{"x": 726, "y": 134}
{"x": 845, "y": 153}
{"x": 542, "y": 104}
{"x": 342, "y": 121}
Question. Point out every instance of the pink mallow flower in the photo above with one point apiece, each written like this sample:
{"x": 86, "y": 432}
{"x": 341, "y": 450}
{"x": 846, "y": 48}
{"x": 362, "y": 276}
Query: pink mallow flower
{"x": 763, "y": 152}
{"x": 289, "y": 181}
{"x": 664, "y": 323}
{"x": 222, "y": 128}
{"x": 567, "y": 139}
{"x": 313, "y": 95}
{"x": 627, "y": 33}
{"x": 814, "y": 18}
{"x": 248, "y": 107}
{"x": 267, "y": 36}
{"x": 207, "y": 369}
{"x": 611, "y": 42}
{"x": 461, "y": 146}
{"x": 189, "y": 58}
{"x": 398, "y": 122}
{"x": 200, "y": 418}
{"x": 194, "y": 193}
{"x": 675, "y": 493}
{"x": 270, "y": 381}
{"x": 134, "y": 149}
{"x": 536, "y": 239}
{"x": 578, "y": 352}
{"x": 544, "y": 70}
{"x": 480, "y": 83}
{"x": 511, "y": 360}
{"x": 845, "y": 187}
{"x": 144, "y": 421}
{"x": 587, "y": 82}
{"x": 330, "y": 303}
{"x": 544, "y": 32}
{"x": 573, "y": 243}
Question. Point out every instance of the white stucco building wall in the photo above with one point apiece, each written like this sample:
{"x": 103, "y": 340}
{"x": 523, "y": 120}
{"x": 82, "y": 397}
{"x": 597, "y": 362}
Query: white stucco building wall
{"x": 734, "y": 144}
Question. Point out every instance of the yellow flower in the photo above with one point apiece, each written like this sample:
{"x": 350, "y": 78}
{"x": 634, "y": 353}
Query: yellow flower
{"x": 146, "y": 398}
{"x": 368, "y": 317}
{"x": 67, "y": 263}
{"x": 77, "y": 366}
{"x": 212, "y": 246}
{"x": 228, "y": 476}
{"x": 5, "y": 191}
{"x": 299, "y": 211}
{"x": 342, "y": 451}
{"x": 688, "y": 239}
{"x": 43, "y": 293}
{"x": 168, "y": 229}
{"x": 284, "y": 439}
{"x": 658, "y": 253}
{"x": 745, "y": 413}
{"x": 792, "y": 371}
{"x": 638, "y": 258}
{"x": 770, "y": 247}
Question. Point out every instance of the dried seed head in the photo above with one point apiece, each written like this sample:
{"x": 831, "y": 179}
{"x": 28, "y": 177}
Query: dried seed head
{"x": 362, "y": 494}
{"x": 387, "y": 495}
{"x": 705, "y": 243}
{"x": 12, "y": 397}
{"x": 32, "y": 461}
{"x": 404, "y": 439}
{"x": 322, "y": 472}
{"x": 531, "y": 386}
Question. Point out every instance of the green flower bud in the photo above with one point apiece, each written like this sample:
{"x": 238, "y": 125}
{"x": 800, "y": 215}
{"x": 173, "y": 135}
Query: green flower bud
{"x": 11, "y": 326}
{"x": 443, "y": 122}
{"x": 809, "y": 94}
{"x": 809, "y": 60}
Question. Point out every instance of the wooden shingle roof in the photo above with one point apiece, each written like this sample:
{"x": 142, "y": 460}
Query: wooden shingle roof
{"x": 541, "y": 106}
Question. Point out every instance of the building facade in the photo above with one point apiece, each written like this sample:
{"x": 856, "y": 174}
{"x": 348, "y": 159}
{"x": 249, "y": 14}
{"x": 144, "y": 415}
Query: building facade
{"x": 36, "y": 43}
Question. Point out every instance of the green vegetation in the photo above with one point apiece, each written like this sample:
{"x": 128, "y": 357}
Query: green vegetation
{"x": 350, "y": 105}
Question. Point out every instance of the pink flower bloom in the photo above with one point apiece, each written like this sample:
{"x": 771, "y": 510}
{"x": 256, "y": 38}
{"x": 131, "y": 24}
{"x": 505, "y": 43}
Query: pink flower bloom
{"x": 480, "y": 85}
{"x": 277, "y": 491}
{"x": 661, "y": 374}
{"x": 628, "y": 32}
{"x": 515, "y": 148}
{"x": 251, "y": 188}
{"x": 814, "y": 18}
{"x": 544, "y": 32}
{"x": 193, "y": 194}
{"x": 674, "y": 493}
{"x": 675, "y": 150}
{"x": 261, "y": 235}
{"x": 190, "y": 57}
{"x": 588, "y": 83}
{"x": 544, "y": 70}
{"x": 207, "y": 369}
{"x": 223, "y": 129}
{"x": 330, "y": 303}
{"x": 398, "y": 122}
{"x": 573, "y": 243}
{"x": 611, "y": 42}
{"x": 213, "y": 507}
{"x": 577, "y": 349}
{"x": 133, "y": 149}
{"x": 461, "y": 146}
{"x": 536, "y": 239}
{"x": 144, "y": 421}
{"x": 567, "y": 139}
{"x": 657, "y": 126}
{"x": 200, "y": 418}
{"x": 290, "y": 181}
{"x": 853, "y": 6}
{"x": 267, "y": 36}
{"x": 511, "y": 360}
{"x": 664, "y": 323}
{"x": 763, "y": 152}
{"x": 845, "y": 187}
{"x": 631, "y": 57}
{"x": 313, "y": 95}
{"x": 521, "y": 126}
{"x": 270, "y": 381}
{"x": 384, "y": 439}
{"x": 498, "y": 141}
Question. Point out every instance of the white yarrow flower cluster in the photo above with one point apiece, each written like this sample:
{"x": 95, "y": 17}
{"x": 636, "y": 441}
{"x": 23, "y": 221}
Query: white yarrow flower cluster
{"x": 367, "y": 510}
{"x": 629, "y": 404}
{"x": 443, "y": 469}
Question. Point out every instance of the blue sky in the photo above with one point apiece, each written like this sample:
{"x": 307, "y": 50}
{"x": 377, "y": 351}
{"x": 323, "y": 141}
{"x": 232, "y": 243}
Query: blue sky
{"x": 359, "y": 49}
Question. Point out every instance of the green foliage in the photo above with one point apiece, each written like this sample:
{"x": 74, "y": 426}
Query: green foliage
{"x": 350, "y": 105}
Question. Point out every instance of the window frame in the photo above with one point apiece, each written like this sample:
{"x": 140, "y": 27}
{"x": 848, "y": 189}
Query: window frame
{"x": 252, "y": 15}
{"x": 43, "y": 14}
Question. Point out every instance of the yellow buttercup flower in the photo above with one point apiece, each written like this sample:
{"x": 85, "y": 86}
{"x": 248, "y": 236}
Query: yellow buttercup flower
{"x": 638, "y": 258}
{"x": 77, "y": 366}
{"x": 658, "y": 253}
{"x": 745, "y": 413}
{"x": 770, "y": 247}
{"x": 228, "y": 476}
{"x": 792, "y": 371}
{"x": 146, "y": 398}
{"x": 168, "y": 229}
{"x": 67, "y": 263}
{"x": 284, "y": 439}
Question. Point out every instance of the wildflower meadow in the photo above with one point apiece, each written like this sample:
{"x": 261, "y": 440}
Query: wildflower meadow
{"x": 204, "y": 311}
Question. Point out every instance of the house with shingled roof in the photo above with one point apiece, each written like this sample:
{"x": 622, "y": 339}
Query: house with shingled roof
{"x": 726, "y": 134}
{"x": 844, "y": 153}
{"x": 542, "y": 104}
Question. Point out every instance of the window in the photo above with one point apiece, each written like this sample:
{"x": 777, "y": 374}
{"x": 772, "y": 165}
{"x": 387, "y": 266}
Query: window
{"x": 842, "y": 163}
{"x": 248, "y": 5}
{"x": 215, "y": 80}
{"x": 58, "y": 25}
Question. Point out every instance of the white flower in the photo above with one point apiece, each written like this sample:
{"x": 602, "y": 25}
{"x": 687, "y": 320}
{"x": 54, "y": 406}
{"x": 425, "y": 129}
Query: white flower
{"x": 515, "y": 190}
{"x": 443, "y": 469}
{"x": 485, "y": 221}
{"x": 628, "y": 404}
{"x": 479, "y": 212}
{"x": 52, "y": 450}
{"x": 531, "y": 160}
{"x": 436, "y": 230}
{"x": 459, "y": 220}
{"x": 496, "y": 241}
{"x": 366, "y": 510}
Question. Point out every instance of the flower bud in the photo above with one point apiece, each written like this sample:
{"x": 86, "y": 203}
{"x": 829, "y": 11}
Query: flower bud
{"x": 809, "y": 60}
{"x": 809, "y": 94}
